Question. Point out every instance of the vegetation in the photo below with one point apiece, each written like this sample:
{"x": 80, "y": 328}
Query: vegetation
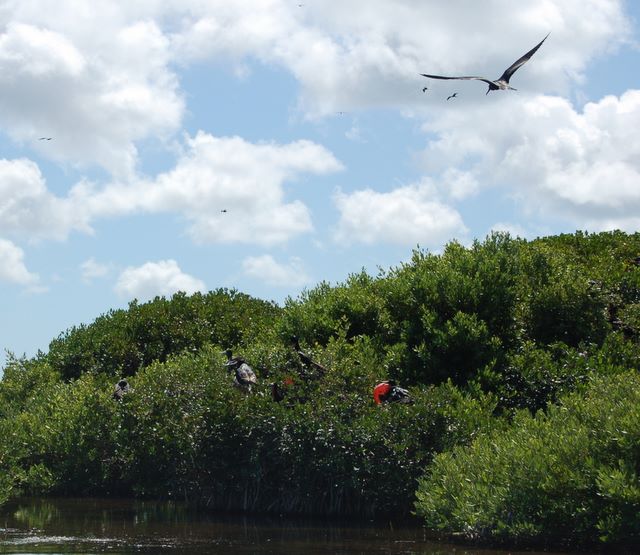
{"x": 521, "y": 357}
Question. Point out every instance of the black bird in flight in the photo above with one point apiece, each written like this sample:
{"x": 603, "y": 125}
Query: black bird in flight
{"x": 502, "y": 83}
{"x": 452, "y": 96}
{"x": 424, "y": 89}
{"x": 45, "y": 138}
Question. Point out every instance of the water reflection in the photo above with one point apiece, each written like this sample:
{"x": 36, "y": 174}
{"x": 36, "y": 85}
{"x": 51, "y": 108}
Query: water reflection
{"x": 123, "y": 527}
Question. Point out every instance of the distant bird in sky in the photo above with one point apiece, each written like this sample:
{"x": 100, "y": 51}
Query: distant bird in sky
{"x": 454, "y": 95}
{"x": 224, "y": 210}
{"x": 45, "y": 138}
{"x": 424, "y": 89}
{"x": 502, "y": 83}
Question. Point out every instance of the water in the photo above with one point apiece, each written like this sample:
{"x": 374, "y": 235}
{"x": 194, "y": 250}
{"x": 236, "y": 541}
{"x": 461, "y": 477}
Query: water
{"x": 89, "y": 526}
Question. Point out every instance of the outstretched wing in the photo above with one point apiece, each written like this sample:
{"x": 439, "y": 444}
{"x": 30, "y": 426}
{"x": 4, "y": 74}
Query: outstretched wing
{"x": 488, "y": 81}
{"x": 520, "y": 62}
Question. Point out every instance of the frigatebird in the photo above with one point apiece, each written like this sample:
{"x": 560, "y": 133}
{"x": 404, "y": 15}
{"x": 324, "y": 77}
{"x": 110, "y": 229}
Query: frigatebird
{"x": 502, "y": 83}
{"x": 306, "y": 360}
{"x": 245, "y": 377}
{"x": 121, "y": 389}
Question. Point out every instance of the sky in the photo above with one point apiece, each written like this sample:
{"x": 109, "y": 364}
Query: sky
{"x": 157, "y": 146}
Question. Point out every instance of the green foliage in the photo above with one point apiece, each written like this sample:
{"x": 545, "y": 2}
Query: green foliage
{"x": 503, "y": 345}
{"x": 567, "y": 475}
{"x": 122, "y": 341}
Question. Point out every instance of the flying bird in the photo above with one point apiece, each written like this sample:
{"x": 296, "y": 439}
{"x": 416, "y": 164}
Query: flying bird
{"x": 45, "y": 138}
{"x": 502, "y": 83}
{"x": 452, "y": 96}
{"x": 424, "y": 89}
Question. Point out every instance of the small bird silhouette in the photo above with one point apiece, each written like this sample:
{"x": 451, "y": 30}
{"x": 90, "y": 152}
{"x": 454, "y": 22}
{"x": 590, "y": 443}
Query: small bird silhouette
{"x": 306, "y": 360}
{"x": 224, "y": 210}
{"x": 424, "y": 89}
{"x": 502, "y": 83}
{"x": 454, "y": 95}
{"x": 45, "y": 138}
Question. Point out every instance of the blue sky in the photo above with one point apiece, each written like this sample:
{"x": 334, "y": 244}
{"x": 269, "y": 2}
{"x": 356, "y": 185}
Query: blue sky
{"x": 308, "y": 126}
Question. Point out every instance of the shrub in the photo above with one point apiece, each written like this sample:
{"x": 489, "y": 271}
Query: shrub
{"x": 566, "y": 476}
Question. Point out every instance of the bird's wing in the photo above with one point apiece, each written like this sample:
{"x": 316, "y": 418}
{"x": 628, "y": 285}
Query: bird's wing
{"x": 520, "y": 61}
{"x": 462, "y": 77}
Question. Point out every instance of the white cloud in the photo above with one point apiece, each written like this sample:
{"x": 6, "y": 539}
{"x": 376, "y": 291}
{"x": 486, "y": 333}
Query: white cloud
{"x": 407, "y": 215}
{"x": 28, "y": 209}
{"x": 100, "y": 76}
{"x": 91, "y": 269}
{"x": 580, "y": 165}
{"x": 265, "y": 268}
{"x": 515, "y": 230}
{"x": 12, "y": 267}
{"x": 95, "y": 90}
{"x": 156, "y": 278}
{"x": 366, "y": 53}
{"x": 228, "y": 173}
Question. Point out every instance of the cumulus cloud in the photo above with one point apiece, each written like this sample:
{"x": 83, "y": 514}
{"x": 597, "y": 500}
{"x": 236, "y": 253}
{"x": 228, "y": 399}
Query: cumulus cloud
{"x": 216, "y": 174}
{"x": 156, "y": 278}
{"x": 91, "y": 269}
{"x": 12, "y": 266}
{"x": 583, "y": 165}
{"x": 407, "y": 215}
{"x": 95, "y": 91}
{"x": 265, "y": 268}
{"x": 28, "y": 209}
{"x": 368, "y": 53}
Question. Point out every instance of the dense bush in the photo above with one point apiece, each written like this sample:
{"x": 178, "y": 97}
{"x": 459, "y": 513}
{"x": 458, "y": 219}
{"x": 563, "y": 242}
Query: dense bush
{"x": 568, "y": 475}
{"x": 504, "y": 335}
{"x": 185, "y": 432}
{"x": 123, "y": 341}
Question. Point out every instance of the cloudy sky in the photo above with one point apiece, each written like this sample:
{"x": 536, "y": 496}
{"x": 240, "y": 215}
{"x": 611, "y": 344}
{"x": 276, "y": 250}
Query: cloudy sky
{"x": 266, "y": 145}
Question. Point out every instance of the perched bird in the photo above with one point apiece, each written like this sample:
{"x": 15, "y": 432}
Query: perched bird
{"x": 245, "y": 377}
{"x": 121, "y": 389}
{"x": 389, "y": 392}
{"x": 306, "y": 359}
{"x": 452, "y": 96}
{"x": 277, "y": 393}
{"x": 502, "y": 83}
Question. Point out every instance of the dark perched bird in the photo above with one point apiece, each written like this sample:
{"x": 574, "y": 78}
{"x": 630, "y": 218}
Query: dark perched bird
{"x": 306, "y": 359}
{"x": 389, "y": 392}
{"x": 277, "y": 393}
{"x": 452, "y": 96}
{"x": 121, "y": 389}
{"x": 245, "y": 377}
{"x": 502, "y": 83}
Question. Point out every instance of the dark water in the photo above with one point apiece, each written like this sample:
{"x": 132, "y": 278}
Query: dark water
{"x": 124, "y": 526}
